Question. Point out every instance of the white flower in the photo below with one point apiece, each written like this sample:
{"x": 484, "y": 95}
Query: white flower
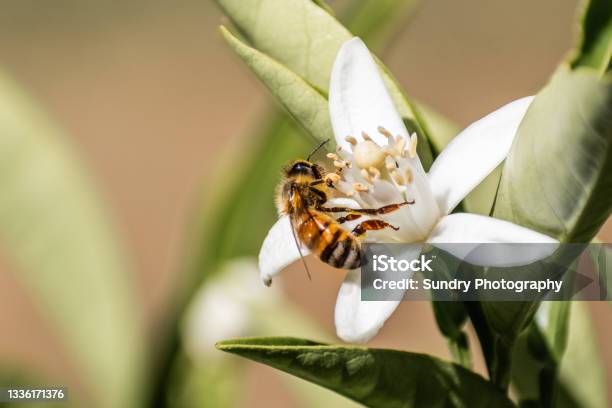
{"x": 223, "y": 309}
{"x": 385, "y": 169}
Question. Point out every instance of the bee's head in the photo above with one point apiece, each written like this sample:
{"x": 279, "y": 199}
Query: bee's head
{"x": 303, "y": 168}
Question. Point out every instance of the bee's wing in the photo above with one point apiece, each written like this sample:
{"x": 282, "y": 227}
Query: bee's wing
{"x": 298, "y": 244}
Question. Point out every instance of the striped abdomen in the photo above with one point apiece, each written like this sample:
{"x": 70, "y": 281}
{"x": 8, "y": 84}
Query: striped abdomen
{"x": 327, "y": 239}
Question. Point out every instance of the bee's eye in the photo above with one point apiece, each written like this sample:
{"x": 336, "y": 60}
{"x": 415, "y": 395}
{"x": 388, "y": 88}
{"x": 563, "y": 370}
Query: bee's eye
{"x": 300, "y": 168}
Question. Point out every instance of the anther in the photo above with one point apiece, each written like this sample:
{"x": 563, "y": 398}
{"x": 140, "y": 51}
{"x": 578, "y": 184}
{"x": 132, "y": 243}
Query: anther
{"x": 413, "y": 146}
{"x": 351, "y": 140}
{"x": 401, "y": 143}
{"x": 385, "y": 132}
{"x": 341, "y": 164}
{"x": 365, "y": 136}
{"x": 332, "y": 178}
{"x": 332, "y": 156}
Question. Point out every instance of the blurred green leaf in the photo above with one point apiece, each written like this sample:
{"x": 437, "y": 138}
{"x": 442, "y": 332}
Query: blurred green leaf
{"x": 305, "y": 104}
{"x": 373, "y": 377}
{"x": 595, "y": 42}
{"x": 601, "y": 256}
{"x": 57, "y": 235}
{"x": 552, "y": 318}
{"x": 582, "y": 373}
{"x": 248, "y": 205}
{"x": 376, "y": 21}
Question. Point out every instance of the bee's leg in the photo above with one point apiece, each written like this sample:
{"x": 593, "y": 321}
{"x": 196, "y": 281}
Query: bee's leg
{"x": 316, "y": 182}
{"x": 348, "y": 217}
{"x": 371, "y": 211}
{"x": 371, "y": 225}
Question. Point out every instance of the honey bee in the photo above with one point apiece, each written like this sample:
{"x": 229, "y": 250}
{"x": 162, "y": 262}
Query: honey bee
{"x": 302, "y": 194}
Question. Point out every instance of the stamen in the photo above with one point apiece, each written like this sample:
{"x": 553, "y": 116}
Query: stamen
{"x": 400, "y": 144}
{"x": 342, "y": 164}
{"x": 412, "y": 152}
{"x": 385, "y": 132}
{"x": 351, "y": 140}
{"x": 390, "y": 164}
{"x": 332, "y": 156}
{"x": 397, "y": 177}
{"x": 360, "y": 187}
{"x": 365, "y": 136}
{"x": 409, "y": 176}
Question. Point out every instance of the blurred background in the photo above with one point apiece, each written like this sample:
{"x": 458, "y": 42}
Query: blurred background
{"x": 158, "y": 108}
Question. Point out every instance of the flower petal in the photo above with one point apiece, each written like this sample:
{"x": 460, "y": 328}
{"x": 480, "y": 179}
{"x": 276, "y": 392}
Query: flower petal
{"x": 203, "y": 325}
{"x": 358, "y": 98}
{"x": 357, "y": 321}
{"x": 474, "y": 153}
{"x": 278, "y": 250}
{"x": 471, "y": 231}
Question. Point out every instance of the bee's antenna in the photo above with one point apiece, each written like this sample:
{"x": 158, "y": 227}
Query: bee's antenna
{"x": 323, "y": 143}
{"x": 297, "y": 244}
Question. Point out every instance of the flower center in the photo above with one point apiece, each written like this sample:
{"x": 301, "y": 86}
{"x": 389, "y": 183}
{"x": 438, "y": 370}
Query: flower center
{"x": 376, "y": 175}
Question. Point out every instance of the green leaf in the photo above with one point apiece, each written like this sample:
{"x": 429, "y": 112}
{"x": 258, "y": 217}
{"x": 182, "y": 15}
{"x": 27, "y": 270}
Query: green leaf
{"x": 305, "y": 39}
{"x": 535, "y": 365}
{"x": 58, "y": 237}
{"x": 595, "y": 42}
{"x": 601, "y": 256}
{"x": 557, "y": 177}
{"x": 582, "y": 373}
{"x": 305, "y": 104}
{"x": 373, "y": 377}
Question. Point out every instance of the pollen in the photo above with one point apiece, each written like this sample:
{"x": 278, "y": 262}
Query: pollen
{"x": 412, "y": 152}
{"x": 368, "y": 154}
{"x": 351, "y": 140}
{"x": 332, "y": 177}
{"x": 385, "y": 132}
